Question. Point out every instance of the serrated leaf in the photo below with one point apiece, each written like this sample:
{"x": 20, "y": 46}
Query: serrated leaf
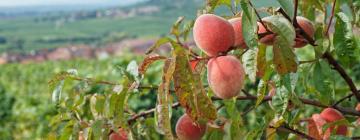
{"x": 280, "y": 100}
{"x": 249, "y": 60}
{"x": 188, "y": 90}
{"x": 97, "y": 105}
{"x": 133, "y": 70}
{"x": 187, "y": 29}
{"x": 249, "y": 25}
{"x": 67, "y": 131}
{"x": 97, "y": 129}
{"x": 288, "y": 6}
{"x": 159, "y": 43}
{"x": 175, "y": 28}
{"x": 284, "y": 58}
{"x": 261, "y": 61}
{"x": 117, "y": 104}
{"x": 236, "y": 120}
{"x": 56, "y": 95}
{"x": 148, "y": 61}
{"x": 344, "y": 41}
{"x": 262, "y": 88}
{"x": 164, "y": 103}
{"x": 321, "y": 83}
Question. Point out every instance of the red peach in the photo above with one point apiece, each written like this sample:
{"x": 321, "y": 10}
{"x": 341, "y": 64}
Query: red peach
{"x": 213, "y": 34}
{"x": 187, "y": 129}
{"x": 315, "y": 127}
{"x": 309, "y": 29}
{"x": 226, "y": 76}
{"x": 268, "y": 39}
{"x": 120, "y": 135}
{"x": 332, "y": 115}
{"x": 300, "y": 41}
{"x": 239, "y": 39}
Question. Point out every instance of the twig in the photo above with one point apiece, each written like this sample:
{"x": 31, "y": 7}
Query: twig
{"x": 331, "y": 19}
{"x": 90, "y": 80}
{"x": 295, "y": 11}
{"x": 148, "y": 112}
{"x": 296, "y": 25}
{"x": 294, "y": 131}
{"x": 343, "y": 99}
{"x": 260, "y": 20}
{"x": 343, "y": 74}
{"x": 308, "y": 61}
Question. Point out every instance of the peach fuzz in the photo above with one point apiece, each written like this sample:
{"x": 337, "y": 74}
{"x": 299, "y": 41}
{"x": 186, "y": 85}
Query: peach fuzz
{"x": 187, "y": 129}
{"x": 239, "y": 39}
{"x": 120, "y": 135}
{"x": 300, "y": 41}
{"x": 213, "y": 34}
{"x": 226, "y": 76}
{"x": 331, "y": 115}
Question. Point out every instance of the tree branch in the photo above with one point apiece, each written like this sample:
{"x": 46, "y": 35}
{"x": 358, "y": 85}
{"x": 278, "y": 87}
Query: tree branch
{"x": 260, "y": 20}
{"x": 295, "y": 11}
{"x": 346, "y": 111}
{"x": 343, "y": 74}
{"x": 294, "y": 131}
{"x": 148, "y": 112}
{"x": 331, "y": 18}
{"x": 297, "y": 26}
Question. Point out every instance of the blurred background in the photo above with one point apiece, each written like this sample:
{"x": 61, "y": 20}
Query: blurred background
{"x": 39, "y": 38}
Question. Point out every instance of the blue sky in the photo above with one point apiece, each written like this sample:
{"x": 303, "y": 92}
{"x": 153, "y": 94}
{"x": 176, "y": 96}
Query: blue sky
{"x": 12, "y": 3}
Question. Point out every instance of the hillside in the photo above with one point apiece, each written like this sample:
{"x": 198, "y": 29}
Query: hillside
{"x": 96, "y": 28}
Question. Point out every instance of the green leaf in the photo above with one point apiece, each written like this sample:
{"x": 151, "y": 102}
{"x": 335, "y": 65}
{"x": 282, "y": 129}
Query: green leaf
{"x": 132, "y": 69}
{"x": 148, "y": 61}
{"x": 175, "y": 28}
{"x": 97, "y": 129}
{"x": 188, "y": 89}
{"x": 236, "y": 120}
{"x": 118, "y": 102}
{"x": 159, "y": 43}
{"x": 261, "y": 64}
{"x": 56, "y": 95}
{"x": 262, "y": 88}
{"x": 97, "y": 105}
{"x": 164, "y": 104}
{"x": 288, "y": 6}
{"x": 249, "y": 60}
{"x": 280, "y": 100}
{"x": 344, "y": 41}
{"x": 249, "y": 25}
{"x": 67, "y": 131}
{"x": 284, "y": 58}
{"x": 321, "y": 83}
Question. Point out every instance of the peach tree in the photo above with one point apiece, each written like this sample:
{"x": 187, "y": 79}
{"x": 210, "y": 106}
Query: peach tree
{"x": 283, "y": 72}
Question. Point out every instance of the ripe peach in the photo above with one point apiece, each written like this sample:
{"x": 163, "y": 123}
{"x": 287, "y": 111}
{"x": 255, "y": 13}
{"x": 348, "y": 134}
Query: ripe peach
{"x": 213, "y": 34}
{"x": 120, "y": 135}
{"x": 300, "y": 41}
{"x": 315, "y": 127}
{"x": 309, "y": 29}
{"x": 239, "y": 39}
{"x": 332, "y": 115}
{"x": 187, "y": 129}
{"x": 268, "y": 39}
{"x": 226, "y": 76}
